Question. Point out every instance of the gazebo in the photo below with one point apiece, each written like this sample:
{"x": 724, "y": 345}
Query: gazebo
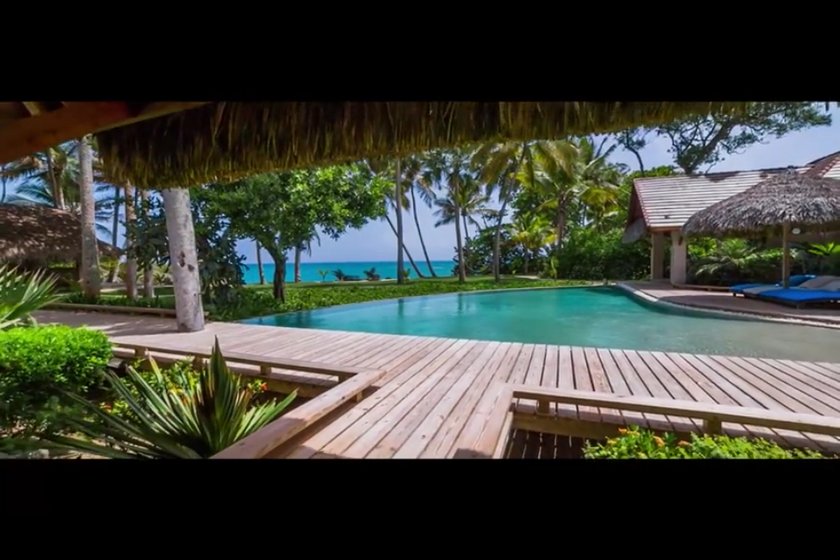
{"x": 180, "y": 144}
{"x": 35, "y": 234}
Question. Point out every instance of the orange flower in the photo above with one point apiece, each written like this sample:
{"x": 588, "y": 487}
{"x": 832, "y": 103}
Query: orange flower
{"x": 263, "y": 386}
{"x": 659, "y": 441}
{"x": 684, "y": 444}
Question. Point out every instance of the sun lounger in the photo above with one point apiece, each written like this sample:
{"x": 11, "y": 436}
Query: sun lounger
{"x": 800, "y": 296}
{"x": 750, "y": 288}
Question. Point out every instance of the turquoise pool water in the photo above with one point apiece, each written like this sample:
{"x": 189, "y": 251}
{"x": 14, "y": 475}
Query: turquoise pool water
{"x": 602, "y": 316}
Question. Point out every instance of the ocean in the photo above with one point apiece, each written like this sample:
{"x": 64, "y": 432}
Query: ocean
{"x": 309, "y": 271}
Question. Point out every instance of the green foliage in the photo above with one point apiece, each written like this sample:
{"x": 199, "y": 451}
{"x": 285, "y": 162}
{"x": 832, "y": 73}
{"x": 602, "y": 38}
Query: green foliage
{"x": 323, "y": 274}
{"x": 822, "y": 258}
{"x": 703, "y": 141}
{"x": 293, "y": 206}
{"x": 35, "y": 362}
{"x": 593, "y": 255}
{"x": 478, "y": 253}
{"x": 339, "y": 274}
{"x": 732, "y": 261}
{"x": 636, "y": 443}
{"x": 21, "y": 294}
{"x": 176, "y": 417}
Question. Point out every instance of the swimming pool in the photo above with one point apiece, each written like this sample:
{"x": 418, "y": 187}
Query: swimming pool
{"x": 605, "y": 317}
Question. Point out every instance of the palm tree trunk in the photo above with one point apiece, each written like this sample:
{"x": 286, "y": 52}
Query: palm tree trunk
{"x": 560, "y": 230}
{"x": 130, "y": 262}
{"x": 183, "y": 260}
{"x": 405, "y": 249}
{"x": 90, "y": 252}
{"x": 148, "y": 282}
{"x": 420, "y": 234}
{"x": 462, "y": 269}
{"x": 115, "y": 225}
{"x": 57, "y": 191}
{"x": 497, "y": 240}
{"x": 279, "y": 279}
{"x": 297, "y": 264}
{"x": 398, "y": 207}
{"x": 466, "y": 229}
{"x": 527, "y": 257}
{"x": 260, "y": 265}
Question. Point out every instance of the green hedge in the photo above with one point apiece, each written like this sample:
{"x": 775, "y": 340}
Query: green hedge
{"x": 635, "y": 443}
{"x": 37, "y": 361}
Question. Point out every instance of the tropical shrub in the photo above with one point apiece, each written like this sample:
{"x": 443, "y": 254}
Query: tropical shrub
{"x": 637, "y": 443}
{"x": 36, "y": 363}
{"x": 733, "y": 261}
{"x": 824, "y": 256}
{"x": 339, "y": 275}
{"x": 478, "y": 254}
{"x": 589, "y": 254}
{"x": 179, "y": 417}
{"x": 21, "y": 294}
{"x": 371, "y": 274}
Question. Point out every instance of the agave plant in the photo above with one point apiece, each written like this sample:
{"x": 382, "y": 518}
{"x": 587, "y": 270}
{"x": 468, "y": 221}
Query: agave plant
{"x": 194, "y": 419}
{"x": 21, "y": 294}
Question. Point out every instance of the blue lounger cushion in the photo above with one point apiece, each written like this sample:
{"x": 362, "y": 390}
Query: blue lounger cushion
{"x": 792, "y": 281}
{"x": 801, "y": 295}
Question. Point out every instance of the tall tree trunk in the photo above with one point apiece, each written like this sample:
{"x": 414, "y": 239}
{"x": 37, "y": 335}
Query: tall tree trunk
{"x": 148, "y": 282}
{"x": 560, "y": 231}
{"x": 115, "y": 225}
{"x": 420, "y": 234}
{"x": 405, "y": 249}
{"x": 466, "y": 229}
{"x": 279, "y": 280}
{"x": 91, "y": 283}
{"x": 297, "y": 264}
{"x": 57, "y": 190}
{"x": 398, "y": 207}
{"x": 526, "y": 255}
{"x": 497, "y": 240}
{"x": 462, "y": 267}
{"x": 130, "y": 262}
{"x": 259, "y": 264}
{"x": 183, "y": 260}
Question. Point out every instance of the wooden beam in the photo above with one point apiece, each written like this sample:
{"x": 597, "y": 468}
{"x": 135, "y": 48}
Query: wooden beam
{"x": 28, "y": 135}
{"x": 34, "y": 108}
{"x": 713, "y": 413}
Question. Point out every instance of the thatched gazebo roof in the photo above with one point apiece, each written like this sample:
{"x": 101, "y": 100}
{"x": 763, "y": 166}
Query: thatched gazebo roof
{"x": 787, "y": 199}
{"x": 40, "y": 234}
{"x": 224, "y": 140}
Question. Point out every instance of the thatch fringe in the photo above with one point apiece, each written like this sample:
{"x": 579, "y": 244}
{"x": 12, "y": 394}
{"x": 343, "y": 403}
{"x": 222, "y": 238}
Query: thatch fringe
{"x": 797, "y": 199}
{"x": 40, "y": 234}
{"x": 225, "y": 140}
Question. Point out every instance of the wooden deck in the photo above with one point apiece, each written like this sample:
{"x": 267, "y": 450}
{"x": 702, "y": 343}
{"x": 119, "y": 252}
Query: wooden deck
{"x": 724, "y": 301}
{"x": 437, "y": 394}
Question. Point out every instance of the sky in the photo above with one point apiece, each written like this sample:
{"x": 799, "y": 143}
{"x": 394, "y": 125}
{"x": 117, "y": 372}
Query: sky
{"x": 376, "y": 242}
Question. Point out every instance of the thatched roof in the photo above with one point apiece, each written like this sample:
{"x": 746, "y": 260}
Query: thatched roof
{"x": 34, "y": 233}
{"x": 798, "y": 199}
{"x": 224, "y": 140}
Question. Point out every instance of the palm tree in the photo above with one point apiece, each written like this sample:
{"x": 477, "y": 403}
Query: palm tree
{"x": 419, "y": 184}
{"x": 90, "y": 250}
{"x": 305, "y": 245}
{"x": 130, "y": 261}
{"x": 260, "y": 270}
{"x": 398, "y": 207}
{"x": 532, "y": 232}
{"x": 463, "y": 196}
{"x": 565, "y": 174}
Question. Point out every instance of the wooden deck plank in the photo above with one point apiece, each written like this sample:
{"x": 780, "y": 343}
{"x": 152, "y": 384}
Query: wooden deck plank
{"x": 413, "y": 362}
{"x": 565, "y": 380}
{"x": 396, "y": 427}
{"x": 648, "y": 385}
{"x": 441, "y": 443}
{"x": 533, "y": 375}
{"x": 583, "y": 381}
{"x": 824, "y": 377}
{"x": 801, "y": 382}
{"x": 551, "y": 373}
{"x": 617, "y": 385}
{"x": 431, "y": 410}
{"x": 761, "y": 392}
{"x": 380, "y": 403}
{"x": 416, "y": 442}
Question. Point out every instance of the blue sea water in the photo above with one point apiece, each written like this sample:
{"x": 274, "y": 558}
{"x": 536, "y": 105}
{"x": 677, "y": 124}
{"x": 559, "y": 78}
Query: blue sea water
{"x": 309, "y": 271}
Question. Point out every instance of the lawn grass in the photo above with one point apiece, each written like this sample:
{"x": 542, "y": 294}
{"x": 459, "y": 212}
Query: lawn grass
{"x": 256, "y": 300}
